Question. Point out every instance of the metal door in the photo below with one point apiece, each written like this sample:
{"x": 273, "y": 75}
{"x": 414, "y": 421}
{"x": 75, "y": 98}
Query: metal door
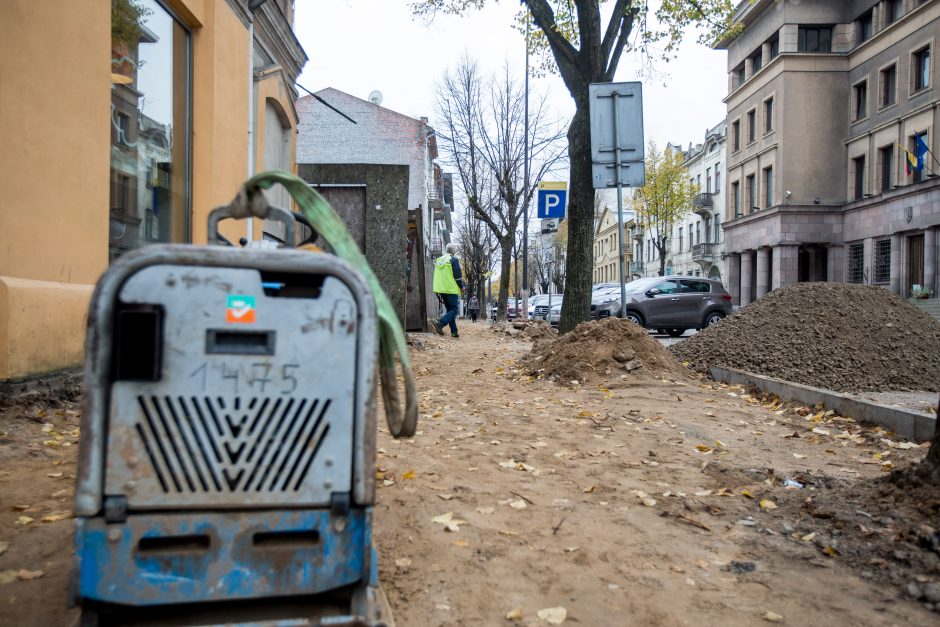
{"x": 915, "y": 263}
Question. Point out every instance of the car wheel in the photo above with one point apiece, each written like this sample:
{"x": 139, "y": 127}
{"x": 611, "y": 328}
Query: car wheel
{"x": 713, "y": 317}
{"x": 661, "y": 331}
{"x": 675, "y": 332}
{"x": 634, "y": 317}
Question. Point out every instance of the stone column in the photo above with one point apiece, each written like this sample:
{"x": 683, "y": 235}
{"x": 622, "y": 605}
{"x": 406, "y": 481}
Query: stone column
{"x": 835, "y": 265}
{"x": 896, "y": 265}
{"x": 747, "y": 270}
{"x": 763, "y": 271}
{"x": 786, "y": 266}
{"x": 930, "y": 260}
{"x": 733, "y": 276}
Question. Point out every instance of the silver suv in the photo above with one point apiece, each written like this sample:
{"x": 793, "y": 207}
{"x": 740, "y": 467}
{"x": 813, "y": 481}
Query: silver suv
{"x": 671, "y": 304}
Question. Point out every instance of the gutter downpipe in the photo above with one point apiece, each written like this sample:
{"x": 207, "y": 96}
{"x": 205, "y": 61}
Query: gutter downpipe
{"x": 253, "y": 5}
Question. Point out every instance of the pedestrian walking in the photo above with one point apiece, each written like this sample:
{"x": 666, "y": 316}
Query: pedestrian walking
{"x": 448, "y": 285}
{"x": 474, "y": 308}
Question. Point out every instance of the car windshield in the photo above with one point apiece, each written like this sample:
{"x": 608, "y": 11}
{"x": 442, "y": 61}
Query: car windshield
{"x": 641, "y": 285}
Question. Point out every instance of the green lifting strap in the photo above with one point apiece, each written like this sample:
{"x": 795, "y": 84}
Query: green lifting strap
{"x": 391, "y": 336}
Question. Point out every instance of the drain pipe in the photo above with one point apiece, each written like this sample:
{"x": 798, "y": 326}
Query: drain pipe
{"x": 253, "y": 5}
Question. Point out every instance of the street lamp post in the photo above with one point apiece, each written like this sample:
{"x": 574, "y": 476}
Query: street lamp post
{"x": 525, "y": 188}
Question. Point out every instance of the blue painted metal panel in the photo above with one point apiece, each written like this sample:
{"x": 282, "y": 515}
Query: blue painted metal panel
{"x": 224, "y": 562}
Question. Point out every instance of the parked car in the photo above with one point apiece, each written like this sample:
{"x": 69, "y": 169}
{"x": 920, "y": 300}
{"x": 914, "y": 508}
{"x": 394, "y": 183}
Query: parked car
{"x": 541, "y": 310}
{"x": 671, "y": 304}
{"x": 535, "y": 301}
{"x": 554, "y": 314}
{"x": 513, "y": 308}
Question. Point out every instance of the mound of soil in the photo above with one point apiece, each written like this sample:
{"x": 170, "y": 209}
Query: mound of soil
{"x": 601, "y": 347}
{"x": 836, "y": 336}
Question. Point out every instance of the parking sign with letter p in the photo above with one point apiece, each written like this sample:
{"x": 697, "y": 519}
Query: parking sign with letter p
{"x": 552, "y": 197}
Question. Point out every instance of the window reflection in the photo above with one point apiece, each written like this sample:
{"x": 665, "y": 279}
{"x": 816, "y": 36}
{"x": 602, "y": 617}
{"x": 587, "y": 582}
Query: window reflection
{"x": 149, "y": 105}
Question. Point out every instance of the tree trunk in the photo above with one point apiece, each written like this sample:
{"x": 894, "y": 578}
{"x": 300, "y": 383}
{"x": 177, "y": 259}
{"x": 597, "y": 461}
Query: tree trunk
{"x": 577, "y": 304}
{"x": 505, "y": 264}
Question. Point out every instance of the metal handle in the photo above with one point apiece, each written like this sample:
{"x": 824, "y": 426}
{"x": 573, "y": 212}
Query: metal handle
{"x": 250, "y": 204}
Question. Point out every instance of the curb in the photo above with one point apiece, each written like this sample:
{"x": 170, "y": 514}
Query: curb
{"x": 915, "y": 426}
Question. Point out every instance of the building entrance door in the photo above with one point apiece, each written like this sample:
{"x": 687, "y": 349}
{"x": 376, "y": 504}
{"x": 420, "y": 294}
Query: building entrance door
{"x": 915, "y": 264}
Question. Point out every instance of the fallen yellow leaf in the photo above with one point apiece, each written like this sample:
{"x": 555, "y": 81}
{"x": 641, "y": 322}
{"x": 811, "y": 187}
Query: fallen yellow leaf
{"x": 24, "y": 520}
{"x": 767, "y": 504}
{"x": 773, "y": 617}
{"x": 515, "y": 614}
{"x": 553, "y": 615}
{"x": 589, "y": 489}
{"x": 408, "y": 475}
{"x": 747, "y": 494}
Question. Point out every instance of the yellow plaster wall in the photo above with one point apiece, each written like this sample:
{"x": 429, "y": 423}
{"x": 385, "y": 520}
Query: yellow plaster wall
{"x": 54, "y": 166}
{"x": 42, "y": 325}
{"x": 54, "y": 125}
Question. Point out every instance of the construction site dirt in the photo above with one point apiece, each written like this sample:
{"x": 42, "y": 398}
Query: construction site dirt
{"x": 647, "y": 497}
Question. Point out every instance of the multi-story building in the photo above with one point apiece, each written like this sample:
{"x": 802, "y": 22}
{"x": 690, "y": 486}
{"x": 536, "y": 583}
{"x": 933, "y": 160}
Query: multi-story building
{"x": 133, "y": 148}
{"x": 696, "y": 244}
{"x": 607, "y": 247}
{"x": 377, "y": 168}
{"x": 824, "y": 99}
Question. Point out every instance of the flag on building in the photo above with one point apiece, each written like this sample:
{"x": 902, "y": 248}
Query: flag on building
{"x": 911, "y": 160}
{"x": 921, "y": 150}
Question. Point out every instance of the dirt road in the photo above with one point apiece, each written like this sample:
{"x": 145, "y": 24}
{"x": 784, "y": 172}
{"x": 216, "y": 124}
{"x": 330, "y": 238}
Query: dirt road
{"x": 639, "y": 501}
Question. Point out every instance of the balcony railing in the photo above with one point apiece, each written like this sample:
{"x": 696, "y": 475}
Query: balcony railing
{"x": 702, "y": 204}
{"x": 636, "y": 267}
{"x": 436, "y": 247}
{"x": 703, "y": 252}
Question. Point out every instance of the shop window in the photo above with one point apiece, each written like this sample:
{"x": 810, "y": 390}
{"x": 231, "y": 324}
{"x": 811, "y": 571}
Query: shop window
{"x": 150, "y": 108}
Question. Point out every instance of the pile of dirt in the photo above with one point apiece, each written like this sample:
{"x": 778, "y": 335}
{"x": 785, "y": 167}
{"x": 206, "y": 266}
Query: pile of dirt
{"x": 601, "y": 347}
{"x": 836, "y": 336}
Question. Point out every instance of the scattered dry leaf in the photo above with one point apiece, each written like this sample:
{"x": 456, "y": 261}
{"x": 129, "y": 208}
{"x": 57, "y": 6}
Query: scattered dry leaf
{"x": 24, "y": 520}
{"x": 773, "y": 617}
{"x": 553, "y": 615}
{"x": 515, "y": 614}
{"x": 767, "y": 504}
{"x": 589, "y": 489}
{"x": 26, "y": 575}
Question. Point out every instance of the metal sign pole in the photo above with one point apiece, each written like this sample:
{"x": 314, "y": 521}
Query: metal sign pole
{"x": 548, "y": 315}
{"x": 619, "y": 181}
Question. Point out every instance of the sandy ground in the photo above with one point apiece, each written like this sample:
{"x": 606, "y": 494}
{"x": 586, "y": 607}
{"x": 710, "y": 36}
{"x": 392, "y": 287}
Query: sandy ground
{"x": 636, "y": 501}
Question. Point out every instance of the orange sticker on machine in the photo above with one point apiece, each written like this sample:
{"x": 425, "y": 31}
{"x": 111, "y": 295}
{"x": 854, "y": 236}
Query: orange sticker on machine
{"x": 240, "y": 309}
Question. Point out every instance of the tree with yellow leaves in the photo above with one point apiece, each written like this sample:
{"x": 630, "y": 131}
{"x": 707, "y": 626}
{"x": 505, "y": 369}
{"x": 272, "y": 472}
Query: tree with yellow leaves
{"x": 665, "y": 199}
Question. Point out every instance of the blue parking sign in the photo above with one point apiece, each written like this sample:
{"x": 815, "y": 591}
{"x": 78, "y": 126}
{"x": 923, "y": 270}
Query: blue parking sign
{"x": 552, "y": 197}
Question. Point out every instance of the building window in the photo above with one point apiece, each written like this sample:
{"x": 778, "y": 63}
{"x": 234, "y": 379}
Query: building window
{"x": 717, "y": 177}
{"x": 736, "y": 135}
{"x": 150, "y": 105}
{"x": 717, "y": 228}
{"x": 865, "y": 26}
{"x": 895, "y": 10}
{"x": 888, "y": 84}
{"x": 920, "y": 69}
{"x": 698, "y": 232}
{"x": 860, "y": 100}
{"x": 886, "y": 156}
{"x": 881, "y": 265}
{"x": 858, "y": 165}
{"x": 774, "y": 47}
{"x": 855, "y": 261}
{"x": 814, "y": 39}
{"x": 680, "y": 238}
{"x": 708, "y": 181}
{"x": 738, "y": 76}
{"x": 736, "y": 199}
{"x": 756, "y": 62}
{"x": 768, "y": 187}
{"x": 751, "y": 125}
{"x": 708, "y": 229}
{"x": 768, "y": 115}
{"x": 751, "y": 194}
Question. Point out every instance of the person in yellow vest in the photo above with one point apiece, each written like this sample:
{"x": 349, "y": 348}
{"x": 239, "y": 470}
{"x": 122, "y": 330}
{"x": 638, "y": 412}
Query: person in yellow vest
{"x": 448, "y": 285}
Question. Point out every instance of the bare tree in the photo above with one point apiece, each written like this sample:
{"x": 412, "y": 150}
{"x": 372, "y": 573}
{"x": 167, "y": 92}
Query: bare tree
{"x": 476, "y": 245}
{"x": 483, "y": 135}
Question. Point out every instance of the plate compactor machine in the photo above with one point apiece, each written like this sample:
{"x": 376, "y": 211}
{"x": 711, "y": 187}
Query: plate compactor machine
{"x": 227, "y": 462}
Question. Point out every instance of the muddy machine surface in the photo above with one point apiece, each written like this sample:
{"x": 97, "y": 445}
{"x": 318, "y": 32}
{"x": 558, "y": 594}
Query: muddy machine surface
{"x": 227, "y": 465}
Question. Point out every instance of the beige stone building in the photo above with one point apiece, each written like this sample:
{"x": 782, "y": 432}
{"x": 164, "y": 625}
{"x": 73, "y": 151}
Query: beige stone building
{"x": 822, "y": 97}
{"x": 607, "y": 247}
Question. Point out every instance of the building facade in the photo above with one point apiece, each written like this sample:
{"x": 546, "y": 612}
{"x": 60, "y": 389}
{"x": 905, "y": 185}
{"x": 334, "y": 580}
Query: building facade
{"x": 825, "y": 98}
{"x": 126, "y": 153}
{"x": 377, "y": 167}
{"x": 607, "y": 247}
{"x": 696, "y": 245}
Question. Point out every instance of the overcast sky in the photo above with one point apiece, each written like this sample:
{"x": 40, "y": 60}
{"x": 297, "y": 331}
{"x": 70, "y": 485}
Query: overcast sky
{"x": 358, "y": 46}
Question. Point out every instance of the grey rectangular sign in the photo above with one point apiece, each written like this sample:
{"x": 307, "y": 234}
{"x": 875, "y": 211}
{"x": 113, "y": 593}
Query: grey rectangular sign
{"x": 628, "y": 99}
{"x": 631, "y": 175}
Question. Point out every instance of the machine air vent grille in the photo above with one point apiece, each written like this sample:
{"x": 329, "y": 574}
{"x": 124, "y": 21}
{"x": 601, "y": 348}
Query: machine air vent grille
{"x": 232, "y": 445}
